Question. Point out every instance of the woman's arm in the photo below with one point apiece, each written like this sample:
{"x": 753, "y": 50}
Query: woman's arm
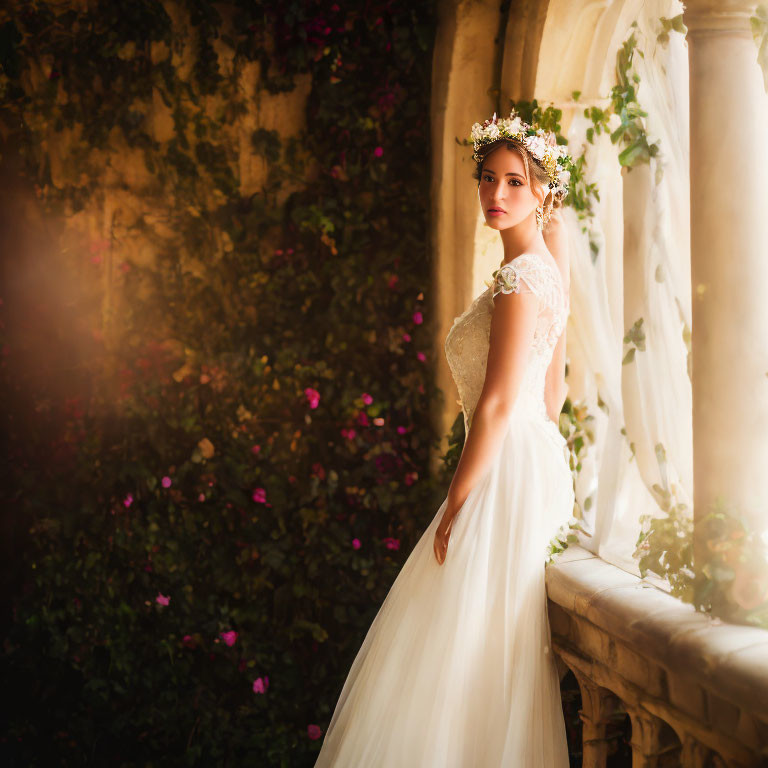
{"x": 513, "y": 323}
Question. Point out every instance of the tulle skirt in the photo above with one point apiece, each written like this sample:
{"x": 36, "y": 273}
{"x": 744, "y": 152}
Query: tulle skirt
{"x": 456, "y": 670}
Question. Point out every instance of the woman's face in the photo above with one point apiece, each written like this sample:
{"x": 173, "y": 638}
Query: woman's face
{"x": 503, "y": 188}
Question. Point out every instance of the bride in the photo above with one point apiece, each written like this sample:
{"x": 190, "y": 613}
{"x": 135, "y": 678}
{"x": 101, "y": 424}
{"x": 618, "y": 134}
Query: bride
{"x": 456, "y": 670}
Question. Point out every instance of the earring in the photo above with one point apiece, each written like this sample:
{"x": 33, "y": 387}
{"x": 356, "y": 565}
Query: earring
{"x": 539, "y": 217}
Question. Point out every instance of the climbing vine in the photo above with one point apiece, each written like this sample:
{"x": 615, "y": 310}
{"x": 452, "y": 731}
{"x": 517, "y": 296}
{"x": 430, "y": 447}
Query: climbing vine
{"x": 227, "y": 463}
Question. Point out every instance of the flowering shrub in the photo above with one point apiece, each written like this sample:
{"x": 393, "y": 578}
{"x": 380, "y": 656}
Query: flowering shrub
{"x": 215, "y": 494}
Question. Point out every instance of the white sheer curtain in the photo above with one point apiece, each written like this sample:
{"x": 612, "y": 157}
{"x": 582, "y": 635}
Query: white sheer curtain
{"x": 641, "y": 270}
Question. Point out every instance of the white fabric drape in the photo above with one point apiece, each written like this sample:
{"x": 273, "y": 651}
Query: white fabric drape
{"x": 641, "y": 270}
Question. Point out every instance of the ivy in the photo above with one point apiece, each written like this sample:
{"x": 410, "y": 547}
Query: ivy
{"x": 243, "y": 452}
{"x": 729, "y": 578}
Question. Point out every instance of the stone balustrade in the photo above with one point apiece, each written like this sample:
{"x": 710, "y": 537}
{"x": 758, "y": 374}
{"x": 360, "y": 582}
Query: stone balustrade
{"x": 695, "y": 688}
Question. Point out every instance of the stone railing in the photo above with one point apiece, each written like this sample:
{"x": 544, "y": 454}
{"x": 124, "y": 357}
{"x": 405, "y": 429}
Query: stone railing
{"x": 695, "y": 688}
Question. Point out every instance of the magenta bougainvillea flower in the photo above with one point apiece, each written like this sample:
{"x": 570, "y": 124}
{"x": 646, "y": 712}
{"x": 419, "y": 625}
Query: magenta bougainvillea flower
{"x": 313, "y": 396}
{"x": 260, "y": 684}
{"x": 379, "y": 151}
{"x": 166, "y": 481}
{"x": 128, "y": 500}
{"x": 406, "y": 337}
{"x": 367, "y": 399}
{"x": 229, "y": 637}
{"x": 255, "y": 449}
{"x": 348, "y": 433}
{"x": 418, "y": 318}
{"x": 356, "y": 544}
{"x": 313, "y": 731}
{"x": 162, "y": 599}
{"x": 421, "y": 356}
{"x": 259, "y": 495}
{"x": 392, "y": 543}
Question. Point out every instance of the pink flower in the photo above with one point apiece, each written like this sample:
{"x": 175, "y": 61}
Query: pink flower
{"x": 166, "y": 481}
{"x": 255, "y": 449}
{"x": 411, "y": 477}
{"x": 392, "y": 282}
{"x": 162, "y": 599}
{"x": 348, "y": 433}
{"x": 356, "y": 544}
{"x": 229, "y": 637}
{"x": 421, "y": 356}
{"x": 362, "y": 418}
{"x": 313, "y": 396}
{"x": 314, "y": 732}
{"x": 201, "y": 497}
{"x": 406, "y": 337}
{"x": 392, "y": 543}
{"x": 260, "y": 684}
{"x": 401, "y": 430}
{"x": 128, "y": 500}
{"x": 259, "y": 495}
{"x": 379, "y": 151}
{"x": 367, "y": 399}
{"x": 188, "y": 641}
{"x": 417, "y": 318}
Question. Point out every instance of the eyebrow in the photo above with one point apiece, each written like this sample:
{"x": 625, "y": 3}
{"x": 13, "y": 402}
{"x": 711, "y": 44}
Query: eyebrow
{"x": 488, "y": 170}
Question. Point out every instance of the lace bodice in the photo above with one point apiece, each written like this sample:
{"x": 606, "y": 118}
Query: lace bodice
{"x": 467, "y": 342}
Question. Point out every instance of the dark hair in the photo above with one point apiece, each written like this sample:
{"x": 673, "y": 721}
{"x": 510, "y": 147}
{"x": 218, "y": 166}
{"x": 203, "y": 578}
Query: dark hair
{"x": 532, "y": 166}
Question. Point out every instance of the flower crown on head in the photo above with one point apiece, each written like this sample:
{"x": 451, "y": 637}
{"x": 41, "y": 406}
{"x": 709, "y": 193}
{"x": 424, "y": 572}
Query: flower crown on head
{"x": 541, "y": 144}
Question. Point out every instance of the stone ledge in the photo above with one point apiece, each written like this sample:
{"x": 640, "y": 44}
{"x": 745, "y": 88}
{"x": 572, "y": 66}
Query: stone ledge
{"x": 701, "y": 667}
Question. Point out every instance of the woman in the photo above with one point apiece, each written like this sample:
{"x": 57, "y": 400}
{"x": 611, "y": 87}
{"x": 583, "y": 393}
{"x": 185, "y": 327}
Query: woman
{"x": 456, "y": 669}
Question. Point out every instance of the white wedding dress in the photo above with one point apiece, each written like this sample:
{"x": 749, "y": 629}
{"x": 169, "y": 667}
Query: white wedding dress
{"x": 456, "y": 669}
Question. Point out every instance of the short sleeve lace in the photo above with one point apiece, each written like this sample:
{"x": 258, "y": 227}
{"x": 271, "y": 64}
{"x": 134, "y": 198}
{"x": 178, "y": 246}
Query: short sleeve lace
{"x": 527, "y": 273}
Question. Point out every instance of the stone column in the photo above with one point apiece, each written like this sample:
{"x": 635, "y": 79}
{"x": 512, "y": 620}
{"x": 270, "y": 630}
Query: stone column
{"x": 462, "y": 70}
{"x": 654, "y": 743}
{"x": 597, "y": 706}
{"x": 729, "y": 259}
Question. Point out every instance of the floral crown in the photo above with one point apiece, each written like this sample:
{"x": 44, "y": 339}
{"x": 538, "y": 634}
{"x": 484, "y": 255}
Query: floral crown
{"x": 541, "y": 144}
